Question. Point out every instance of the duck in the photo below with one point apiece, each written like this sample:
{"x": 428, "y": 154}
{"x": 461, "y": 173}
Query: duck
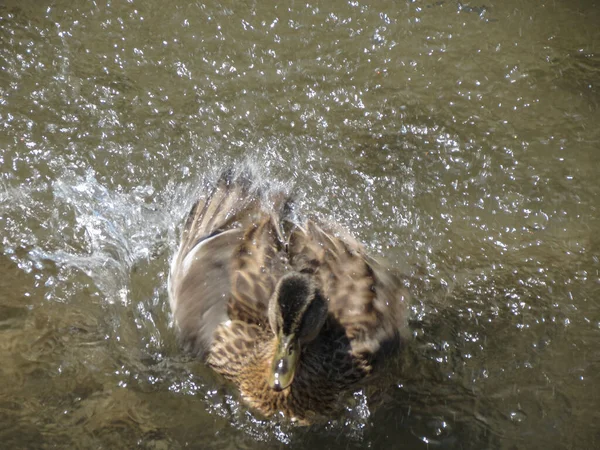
{"x": 289, "y": 309}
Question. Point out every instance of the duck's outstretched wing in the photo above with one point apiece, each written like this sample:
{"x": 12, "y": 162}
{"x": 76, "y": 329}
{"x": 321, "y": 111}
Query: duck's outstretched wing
{"x": 199, "y": 280}
{"x": 227, "y": 264}
{"x": 366, "y": 298}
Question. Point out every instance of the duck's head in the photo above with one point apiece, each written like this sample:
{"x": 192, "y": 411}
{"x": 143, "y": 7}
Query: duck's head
{"x": 297, "y": 313}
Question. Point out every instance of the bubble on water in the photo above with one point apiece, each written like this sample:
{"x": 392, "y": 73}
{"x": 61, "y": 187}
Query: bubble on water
{"x": 517, "y": 416}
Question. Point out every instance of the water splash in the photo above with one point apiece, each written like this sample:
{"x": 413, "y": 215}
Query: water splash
{"x": 89, "y": 229}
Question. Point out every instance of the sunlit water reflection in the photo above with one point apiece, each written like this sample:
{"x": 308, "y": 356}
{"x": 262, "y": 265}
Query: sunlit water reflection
{"x": 458, "y": 140}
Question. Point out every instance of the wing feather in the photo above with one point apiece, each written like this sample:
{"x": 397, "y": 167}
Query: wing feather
{"x": 200, "y": 276}
{"x": 364, "y": 297}
{"x": 256, "y": 268}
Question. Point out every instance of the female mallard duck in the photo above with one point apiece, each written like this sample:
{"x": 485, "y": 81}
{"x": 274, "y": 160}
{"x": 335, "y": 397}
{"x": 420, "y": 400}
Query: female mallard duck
{"x": 291, "y": 313}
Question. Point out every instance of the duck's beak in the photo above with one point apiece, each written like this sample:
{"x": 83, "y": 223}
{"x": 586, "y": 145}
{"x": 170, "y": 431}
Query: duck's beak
{"x": 284, "y": 362}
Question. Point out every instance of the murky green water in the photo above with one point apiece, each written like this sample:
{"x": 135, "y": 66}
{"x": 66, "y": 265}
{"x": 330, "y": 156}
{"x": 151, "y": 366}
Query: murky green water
{"x": 460, "y": 140}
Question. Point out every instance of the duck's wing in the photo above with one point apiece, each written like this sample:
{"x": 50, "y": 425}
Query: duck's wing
{"x": 228, "y": 262}
{"x": 232, "y": 199}
{"x": 199, "y": 280}
{"x": 365, "y": 297}
{"x": 257, "y": 265}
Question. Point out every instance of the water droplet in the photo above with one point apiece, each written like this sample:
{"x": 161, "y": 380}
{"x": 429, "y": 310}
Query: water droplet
{"x": 518, "y": 416}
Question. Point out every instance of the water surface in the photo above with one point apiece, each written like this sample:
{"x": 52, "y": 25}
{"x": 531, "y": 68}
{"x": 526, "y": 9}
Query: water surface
{"x": 457, "y": 139}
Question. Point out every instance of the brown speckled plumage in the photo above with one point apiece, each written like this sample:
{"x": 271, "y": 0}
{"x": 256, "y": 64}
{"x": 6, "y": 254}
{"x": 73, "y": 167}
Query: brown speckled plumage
{"x": 235, "y": 248}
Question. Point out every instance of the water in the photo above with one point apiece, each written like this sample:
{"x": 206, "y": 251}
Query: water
{"x": 457, "y": 139}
